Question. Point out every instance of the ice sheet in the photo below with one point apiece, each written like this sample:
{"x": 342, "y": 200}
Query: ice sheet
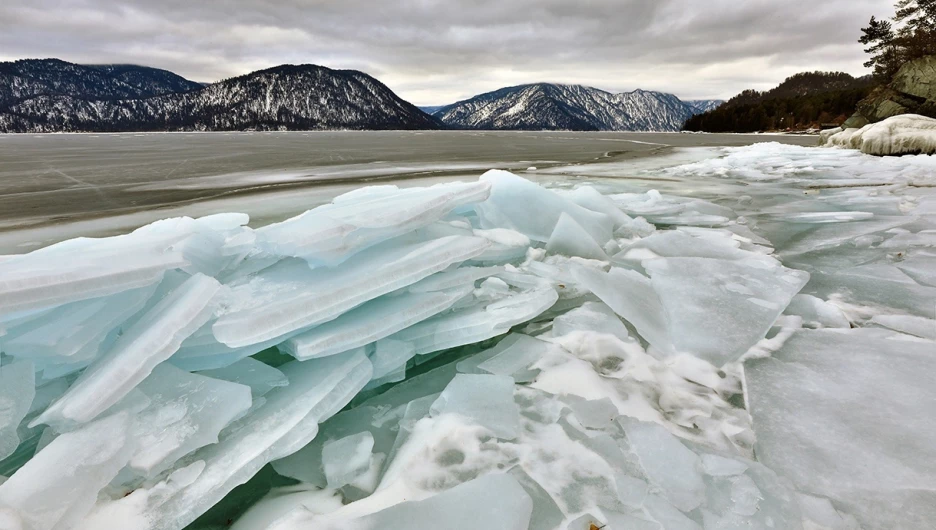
{"x": 571, "y": 346}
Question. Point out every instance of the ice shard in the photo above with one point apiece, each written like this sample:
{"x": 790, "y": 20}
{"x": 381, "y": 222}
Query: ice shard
{"x": 260, "y": 377}
{"x": 286, "y": 422}
{"x": 477, "y": 322}
{"x": 369, "y": 323}
{"x": 521, "y": 205}
{"x": 17, "y": 390}
{"x": 291, "y": 296}
{"x": 329, "y": 234}
{"x": 59, "y": 485}
{"x": 570, "y": 239}
{"x": 186, "y": 412}
{"x": 152, "y": 340}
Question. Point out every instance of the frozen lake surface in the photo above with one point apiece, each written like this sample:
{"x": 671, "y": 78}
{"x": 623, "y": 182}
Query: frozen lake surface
{"x": 62, "y": 185}
{"x": 709, "y": 338}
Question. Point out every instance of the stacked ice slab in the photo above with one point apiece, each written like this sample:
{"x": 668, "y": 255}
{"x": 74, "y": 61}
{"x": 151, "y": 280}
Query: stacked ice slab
{"x": 486, "y": 355}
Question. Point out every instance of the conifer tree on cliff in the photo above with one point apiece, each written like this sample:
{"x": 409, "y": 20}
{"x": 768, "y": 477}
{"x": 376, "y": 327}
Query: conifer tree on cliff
{"x": 918, "y": 32}
{"x": 914, "y": 37}
{"x": 885, "y": 54}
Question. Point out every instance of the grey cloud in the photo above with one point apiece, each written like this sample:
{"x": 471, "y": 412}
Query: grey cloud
{"x": 433, "y": 51}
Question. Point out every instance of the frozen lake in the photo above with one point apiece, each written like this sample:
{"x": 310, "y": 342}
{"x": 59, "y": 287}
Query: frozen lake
{"x": 669, "y": 335}
{"x": 54, "y": 187}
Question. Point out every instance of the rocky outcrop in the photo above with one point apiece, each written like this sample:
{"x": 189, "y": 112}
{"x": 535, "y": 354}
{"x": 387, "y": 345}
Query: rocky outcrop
{"x": 918, "y": 78}
{"x": 913, "y": 91}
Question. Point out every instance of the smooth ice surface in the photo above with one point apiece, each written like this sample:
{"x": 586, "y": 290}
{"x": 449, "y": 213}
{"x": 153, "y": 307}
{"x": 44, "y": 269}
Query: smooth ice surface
{"x": 713, "y": 308}
{"x": 42, "y": 279}
{"x": 675, "y": 470}
{"x": 77, "y": 332}
{"x": 832, "y": 412}
{"x": 328, "y": 235}
{"x": 717, "y": 309}
{"x": 484, "y": 319}
{"x": 591, "y": 316}
{"x": 485, "y": 399}
{"x": 918, "y": 326}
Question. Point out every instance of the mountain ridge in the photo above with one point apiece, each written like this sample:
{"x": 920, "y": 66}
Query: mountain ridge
{"x": 51, "y": 95}
{"x": 28, "y": 78}
{"x": 284, "y": 97}
{"x": 554, "y": 106}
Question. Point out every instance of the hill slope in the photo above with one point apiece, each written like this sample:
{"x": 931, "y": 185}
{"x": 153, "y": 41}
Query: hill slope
{"x": 547, "y": 106}
{"x": 804, "y": 100}
{"x": 30, "y": 78}
{"x": 288, "y": 97}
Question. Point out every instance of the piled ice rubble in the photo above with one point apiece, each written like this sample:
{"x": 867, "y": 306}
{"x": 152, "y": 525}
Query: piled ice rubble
{"x": 487, "y": 355}
{"x": 907, "y": 134}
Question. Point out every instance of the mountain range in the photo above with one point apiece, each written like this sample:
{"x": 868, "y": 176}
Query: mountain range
{"x": 50, "y": 95}
{"x": 548, "y": 106}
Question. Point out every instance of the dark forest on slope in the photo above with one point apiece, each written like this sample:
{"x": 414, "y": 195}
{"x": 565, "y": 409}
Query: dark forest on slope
{"x": 802, "y": 101}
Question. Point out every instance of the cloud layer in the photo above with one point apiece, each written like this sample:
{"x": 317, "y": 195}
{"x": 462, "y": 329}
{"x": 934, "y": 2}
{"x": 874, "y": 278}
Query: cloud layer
{"x": 436, "y": 52}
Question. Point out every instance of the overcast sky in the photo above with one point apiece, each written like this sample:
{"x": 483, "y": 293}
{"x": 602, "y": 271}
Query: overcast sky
{"x": 436, "y": 52}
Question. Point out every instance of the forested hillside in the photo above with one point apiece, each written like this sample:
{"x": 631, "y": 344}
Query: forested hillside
{"x": 802, "y": 101}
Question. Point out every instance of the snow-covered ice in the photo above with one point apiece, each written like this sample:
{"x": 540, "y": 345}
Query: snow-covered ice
{"x": 751, "y": 345}
{"x": 906, "y": 134}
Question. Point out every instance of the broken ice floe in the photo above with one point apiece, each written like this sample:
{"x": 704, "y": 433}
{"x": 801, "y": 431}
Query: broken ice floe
{"x": 488, "y": 355}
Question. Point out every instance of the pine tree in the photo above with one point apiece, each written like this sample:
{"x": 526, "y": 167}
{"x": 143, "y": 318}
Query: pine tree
{"x": 918, "y": 30}
{"x": 914, "y": 37}
{"x": 884, "y": 49}
{"x": 919, "y": 15}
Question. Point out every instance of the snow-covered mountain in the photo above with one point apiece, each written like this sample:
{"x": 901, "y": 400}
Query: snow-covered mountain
{"x": 704, "y": 105}
{"x": 568, "y": 107}
{"x": 30, "y": 78}
{"x": 286, "y": 97}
